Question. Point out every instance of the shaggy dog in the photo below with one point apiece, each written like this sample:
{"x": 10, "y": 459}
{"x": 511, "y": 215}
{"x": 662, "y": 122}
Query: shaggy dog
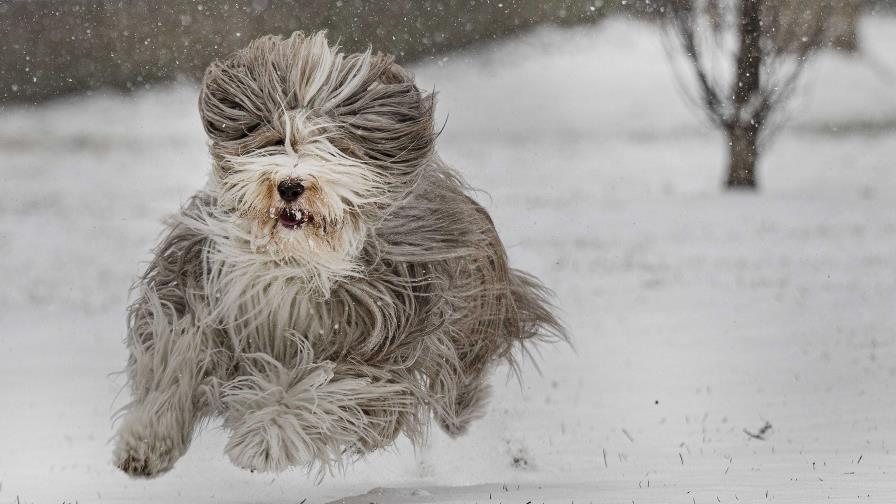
{"x": 332, "y": 286}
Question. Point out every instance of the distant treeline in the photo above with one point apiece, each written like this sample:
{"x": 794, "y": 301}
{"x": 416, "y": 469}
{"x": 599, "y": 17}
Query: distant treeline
{"x": 49, "y": 48}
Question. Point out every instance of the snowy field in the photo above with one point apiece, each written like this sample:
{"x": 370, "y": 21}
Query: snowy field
{"x": 696, "y": 314}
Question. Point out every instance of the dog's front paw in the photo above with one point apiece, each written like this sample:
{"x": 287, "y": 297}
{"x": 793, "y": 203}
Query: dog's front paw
{"x": 146, "y": 459}
{"x": 141, "y": 455}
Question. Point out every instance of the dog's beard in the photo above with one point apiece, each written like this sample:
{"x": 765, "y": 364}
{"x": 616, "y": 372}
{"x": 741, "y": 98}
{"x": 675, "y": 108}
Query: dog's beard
{"x": 321, "y": 232}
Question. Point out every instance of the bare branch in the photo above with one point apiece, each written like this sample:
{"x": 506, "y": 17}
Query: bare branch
{"x": 798, "y": 38}
{"x": 682, "y": 22}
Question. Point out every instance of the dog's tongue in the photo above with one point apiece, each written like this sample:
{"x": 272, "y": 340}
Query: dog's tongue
{"x": 292, "y": 218}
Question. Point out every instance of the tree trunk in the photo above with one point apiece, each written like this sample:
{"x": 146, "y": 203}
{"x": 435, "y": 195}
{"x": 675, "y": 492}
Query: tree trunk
{"x": 742, "y": 157}
{"x": 749, "y": 54}
{"x": 743, "y": 128}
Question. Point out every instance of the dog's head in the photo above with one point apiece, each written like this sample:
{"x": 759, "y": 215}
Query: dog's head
{"x": 311, "y": 146}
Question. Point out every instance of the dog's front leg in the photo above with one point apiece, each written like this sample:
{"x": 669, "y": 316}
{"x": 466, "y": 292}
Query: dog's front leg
{"x": 167, "y": 372}
{"x": 310, "y": 414}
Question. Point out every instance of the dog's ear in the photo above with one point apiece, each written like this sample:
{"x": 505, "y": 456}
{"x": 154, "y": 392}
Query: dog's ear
{"x": 390, "y": 120}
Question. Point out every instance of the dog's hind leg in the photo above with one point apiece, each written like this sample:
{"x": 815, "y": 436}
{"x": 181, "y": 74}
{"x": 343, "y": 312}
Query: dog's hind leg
{"x": 311, "y": 414}
{"x": 457, "y": 405}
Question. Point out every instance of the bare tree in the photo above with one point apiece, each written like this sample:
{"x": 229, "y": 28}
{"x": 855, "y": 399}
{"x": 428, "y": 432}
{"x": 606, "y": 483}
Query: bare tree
{"x": 746, "y": 56}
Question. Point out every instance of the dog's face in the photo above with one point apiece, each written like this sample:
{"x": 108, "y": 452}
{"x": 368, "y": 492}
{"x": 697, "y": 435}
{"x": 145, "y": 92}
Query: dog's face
{"x": 311, "y": 146}
{"x": 300, "y": 196}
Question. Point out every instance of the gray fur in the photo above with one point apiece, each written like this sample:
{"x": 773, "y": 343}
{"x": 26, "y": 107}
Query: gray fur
{"x": 309, "y": 378}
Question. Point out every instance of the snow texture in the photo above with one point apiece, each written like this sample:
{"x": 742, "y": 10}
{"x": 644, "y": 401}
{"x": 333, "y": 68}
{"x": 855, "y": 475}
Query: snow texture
{"x": 697, "y": 315}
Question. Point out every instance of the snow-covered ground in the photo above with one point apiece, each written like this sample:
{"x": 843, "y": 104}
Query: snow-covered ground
{"x": 696, "y": 314}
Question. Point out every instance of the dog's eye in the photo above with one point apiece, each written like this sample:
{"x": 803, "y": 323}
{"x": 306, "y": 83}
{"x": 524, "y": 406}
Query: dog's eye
{"x": 262, "y": 138}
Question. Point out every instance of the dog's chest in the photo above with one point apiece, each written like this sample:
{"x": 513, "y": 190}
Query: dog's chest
{"x": 273, "y": 317}
{"x": 298, "y": 314}
{"x": 272, "y": 311}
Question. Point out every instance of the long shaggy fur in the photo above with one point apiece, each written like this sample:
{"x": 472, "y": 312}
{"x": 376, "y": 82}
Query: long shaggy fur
{"x": 321, "y": 341}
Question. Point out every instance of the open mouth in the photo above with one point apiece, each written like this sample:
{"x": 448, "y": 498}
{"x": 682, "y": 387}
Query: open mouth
{"x": 294, "y": 218}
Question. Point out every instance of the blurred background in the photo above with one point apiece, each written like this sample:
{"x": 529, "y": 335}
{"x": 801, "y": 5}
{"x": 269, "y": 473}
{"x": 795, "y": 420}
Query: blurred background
{"x": 707, "y": 185}
{"x": 57, "y": 47}
{"x": 52, "y": 48}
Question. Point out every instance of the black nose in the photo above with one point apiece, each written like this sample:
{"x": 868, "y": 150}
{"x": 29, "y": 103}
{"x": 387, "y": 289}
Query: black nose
{"x": 290, "y": 190}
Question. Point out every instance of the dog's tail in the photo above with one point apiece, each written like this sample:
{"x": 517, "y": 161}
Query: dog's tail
{"x": 533, "y": 317}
